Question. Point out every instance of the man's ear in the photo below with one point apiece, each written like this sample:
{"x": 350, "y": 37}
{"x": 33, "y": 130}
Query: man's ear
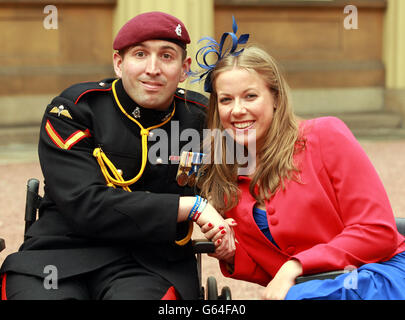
{"x": 117, "y": 60}
{"x": 186, "y": 68}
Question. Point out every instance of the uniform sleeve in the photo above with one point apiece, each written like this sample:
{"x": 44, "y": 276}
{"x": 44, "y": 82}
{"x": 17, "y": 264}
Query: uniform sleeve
{"x": 75, "y": 184}
{"x": 244, "y": 268}
{"x": 369, "y": 233}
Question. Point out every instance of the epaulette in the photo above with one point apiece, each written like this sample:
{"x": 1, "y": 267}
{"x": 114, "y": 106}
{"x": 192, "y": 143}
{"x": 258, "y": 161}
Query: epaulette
{"x": 77, "y": 91}
{"x": 192, "y": 96}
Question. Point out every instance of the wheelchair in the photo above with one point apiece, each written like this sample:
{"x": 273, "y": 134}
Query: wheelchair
{"x": 200, "y": 246}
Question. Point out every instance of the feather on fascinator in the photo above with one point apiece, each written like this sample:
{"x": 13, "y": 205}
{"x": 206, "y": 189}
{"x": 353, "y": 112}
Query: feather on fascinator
{"x": 213, "y": 47}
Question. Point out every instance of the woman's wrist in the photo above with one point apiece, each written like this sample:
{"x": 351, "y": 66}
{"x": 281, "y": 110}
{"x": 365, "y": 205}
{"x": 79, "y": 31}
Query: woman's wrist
{"x": 292, "y": 269}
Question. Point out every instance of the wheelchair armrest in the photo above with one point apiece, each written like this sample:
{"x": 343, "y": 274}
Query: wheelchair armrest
{"x": 203, "y": 246}
{"x": 2, "y": 244}
{"x": 400, "y": 222}
{"x": 400, "y": 225}
{"x": 320, "y": 276}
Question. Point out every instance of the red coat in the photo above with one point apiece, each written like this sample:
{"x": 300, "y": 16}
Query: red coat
{"x": 339, "y": 215}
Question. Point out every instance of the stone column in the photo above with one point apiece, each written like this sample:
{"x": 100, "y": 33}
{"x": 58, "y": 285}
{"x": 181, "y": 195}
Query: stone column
{"x": 394, "y": 55}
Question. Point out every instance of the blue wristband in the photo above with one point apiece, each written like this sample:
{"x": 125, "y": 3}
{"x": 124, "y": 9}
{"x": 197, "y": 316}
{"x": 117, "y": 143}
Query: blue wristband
{"x": 195, "y": 207}
{"x": 200, "y": 209}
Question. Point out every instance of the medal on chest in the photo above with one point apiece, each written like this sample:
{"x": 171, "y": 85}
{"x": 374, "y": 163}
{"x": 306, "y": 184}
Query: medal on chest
{"x": 188, "y": 171}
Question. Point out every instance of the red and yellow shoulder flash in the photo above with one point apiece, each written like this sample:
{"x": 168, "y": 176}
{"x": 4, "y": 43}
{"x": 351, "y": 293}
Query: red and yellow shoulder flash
{"x": 68, "y": 143}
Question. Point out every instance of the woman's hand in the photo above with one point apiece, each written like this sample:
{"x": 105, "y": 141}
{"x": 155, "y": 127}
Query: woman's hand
{"x": 223, "y": 238}
{"x": 284, "y": 279}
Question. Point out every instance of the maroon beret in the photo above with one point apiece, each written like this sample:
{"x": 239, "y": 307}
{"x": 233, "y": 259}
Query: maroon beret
{"x": 150, "y": 26}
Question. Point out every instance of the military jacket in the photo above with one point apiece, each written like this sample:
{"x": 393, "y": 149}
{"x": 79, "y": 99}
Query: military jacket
{"x": 84, "y": 223}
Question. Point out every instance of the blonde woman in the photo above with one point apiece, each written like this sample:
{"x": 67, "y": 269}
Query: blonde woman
{"x": 313, "y": 202}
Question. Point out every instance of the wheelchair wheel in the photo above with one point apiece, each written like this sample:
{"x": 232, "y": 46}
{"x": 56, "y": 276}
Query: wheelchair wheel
{"x": 225, "y": 294}
{"x": 202, "y": 293}
{"x": 212, "y": 289}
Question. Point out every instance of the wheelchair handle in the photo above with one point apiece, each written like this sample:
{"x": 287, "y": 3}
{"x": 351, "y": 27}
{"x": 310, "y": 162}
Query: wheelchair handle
{"x": 203, "y": 246}
{"x": 32, "y": 202}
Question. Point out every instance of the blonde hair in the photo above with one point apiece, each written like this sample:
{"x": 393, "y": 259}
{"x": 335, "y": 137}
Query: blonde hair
{"x": 219, "y": 182}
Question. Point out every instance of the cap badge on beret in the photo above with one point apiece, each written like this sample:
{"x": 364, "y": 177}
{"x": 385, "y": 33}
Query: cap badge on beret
{"x": 178, "y": 30}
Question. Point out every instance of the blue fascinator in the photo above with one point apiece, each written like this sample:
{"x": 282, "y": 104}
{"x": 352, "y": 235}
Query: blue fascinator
{"x": 219, "y": 51}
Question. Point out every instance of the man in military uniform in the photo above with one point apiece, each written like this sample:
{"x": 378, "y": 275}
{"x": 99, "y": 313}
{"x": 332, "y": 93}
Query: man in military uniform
{"x": 112, "y": 224}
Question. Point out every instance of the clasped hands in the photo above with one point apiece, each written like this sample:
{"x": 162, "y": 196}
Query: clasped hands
{"x": 220, "y": 232}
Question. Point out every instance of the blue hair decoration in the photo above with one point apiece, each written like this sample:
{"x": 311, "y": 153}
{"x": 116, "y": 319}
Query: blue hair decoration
{"x": 218, "y": 49}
